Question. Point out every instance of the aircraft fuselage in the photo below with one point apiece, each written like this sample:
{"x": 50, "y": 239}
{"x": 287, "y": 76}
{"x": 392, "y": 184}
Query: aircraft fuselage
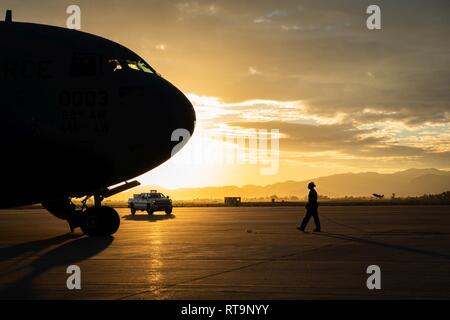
{"x": 79, "y": 113}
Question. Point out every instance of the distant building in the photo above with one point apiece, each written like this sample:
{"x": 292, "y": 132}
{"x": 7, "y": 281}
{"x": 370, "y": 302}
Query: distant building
{"x": 233, "y": 201}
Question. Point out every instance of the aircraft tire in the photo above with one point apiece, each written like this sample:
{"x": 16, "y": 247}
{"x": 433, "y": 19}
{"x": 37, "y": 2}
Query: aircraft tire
{"x": 100, "y": 222}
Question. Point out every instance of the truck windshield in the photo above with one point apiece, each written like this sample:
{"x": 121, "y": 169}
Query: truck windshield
{"x": 156, "y": 195}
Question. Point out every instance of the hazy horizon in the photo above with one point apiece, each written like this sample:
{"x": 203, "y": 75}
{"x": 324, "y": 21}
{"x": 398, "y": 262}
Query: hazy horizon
{"x": 312, "y": 178}
{"x": 408, "y": 183}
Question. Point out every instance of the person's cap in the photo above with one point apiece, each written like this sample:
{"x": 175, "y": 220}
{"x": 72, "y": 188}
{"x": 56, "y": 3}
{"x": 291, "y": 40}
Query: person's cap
{"x": 311, "y": 184}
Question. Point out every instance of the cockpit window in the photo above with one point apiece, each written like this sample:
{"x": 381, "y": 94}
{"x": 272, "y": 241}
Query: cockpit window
{"x": 139, "y": 66}
{"x": 132, "y": 65}
{"x": 144, "y": 67}
{"x": 114, "y": 64}
{"x": 122, "y": 65}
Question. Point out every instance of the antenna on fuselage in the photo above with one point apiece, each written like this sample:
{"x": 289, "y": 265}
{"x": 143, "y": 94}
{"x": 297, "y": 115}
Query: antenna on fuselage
{"x": 8, "y": 17}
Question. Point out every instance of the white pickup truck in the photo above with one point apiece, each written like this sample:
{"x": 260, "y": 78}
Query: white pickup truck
{"x": 150, "y": 202}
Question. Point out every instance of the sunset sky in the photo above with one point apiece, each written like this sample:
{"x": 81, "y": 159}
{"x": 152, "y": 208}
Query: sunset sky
{"x": 344, "y": 98}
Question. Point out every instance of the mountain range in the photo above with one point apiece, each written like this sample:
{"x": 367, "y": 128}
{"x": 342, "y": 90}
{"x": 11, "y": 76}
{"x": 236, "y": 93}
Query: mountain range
{"x": 411, "y": 182}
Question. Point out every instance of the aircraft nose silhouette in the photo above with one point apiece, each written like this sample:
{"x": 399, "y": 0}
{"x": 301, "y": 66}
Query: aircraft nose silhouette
{"x": 181, "y": 109}
{"x": 186, "y": 112}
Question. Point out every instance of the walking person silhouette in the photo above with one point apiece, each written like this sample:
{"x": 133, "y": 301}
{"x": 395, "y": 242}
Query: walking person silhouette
{"x": 311, "y": 209}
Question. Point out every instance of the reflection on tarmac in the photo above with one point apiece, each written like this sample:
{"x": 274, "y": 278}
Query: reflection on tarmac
{"x": 231, "y": 253}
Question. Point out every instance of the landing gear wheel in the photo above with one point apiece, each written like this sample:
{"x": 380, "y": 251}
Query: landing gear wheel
{"x": 133, "y": 211}
{"x": 169, "y": 211}
{"x": 100, "y": 221}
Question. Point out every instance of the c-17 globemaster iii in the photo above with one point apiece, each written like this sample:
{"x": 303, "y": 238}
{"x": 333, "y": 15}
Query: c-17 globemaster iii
{"x": 80, "y": 114}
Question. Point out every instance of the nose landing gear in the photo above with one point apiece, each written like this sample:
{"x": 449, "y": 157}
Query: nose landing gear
{"x": 94, "y": 221}
{"x": 99, "y": 221}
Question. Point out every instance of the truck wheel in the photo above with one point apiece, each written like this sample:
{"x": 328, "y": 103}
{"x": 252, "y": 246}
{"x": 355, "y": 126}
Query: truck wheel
{"x": 169, "y": 211}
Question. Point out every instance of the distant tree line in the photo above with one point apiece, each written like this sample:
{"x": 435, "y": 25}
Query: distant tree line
{"x": 445, "y": 196}
{"x": 429, "y": 198}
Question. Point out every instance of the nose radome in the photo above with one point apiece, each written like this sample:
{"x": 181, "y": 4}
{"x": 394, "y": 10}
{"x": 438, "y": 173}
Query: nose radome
{"x": 182, "y": 110}
{"x": 187, "y": 113}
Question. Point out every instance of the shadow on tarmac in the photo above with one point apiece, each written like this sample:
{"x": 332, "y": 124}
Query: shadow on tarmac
{"x": 383, "y": 244}
{"x": 71, "y": 249}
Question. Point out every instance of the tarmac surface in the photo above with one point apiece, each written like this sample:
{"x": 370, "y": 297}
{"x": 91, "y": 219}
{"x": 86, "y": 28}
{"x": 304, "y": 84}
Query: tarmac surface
{"x": 231, "y": 253}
